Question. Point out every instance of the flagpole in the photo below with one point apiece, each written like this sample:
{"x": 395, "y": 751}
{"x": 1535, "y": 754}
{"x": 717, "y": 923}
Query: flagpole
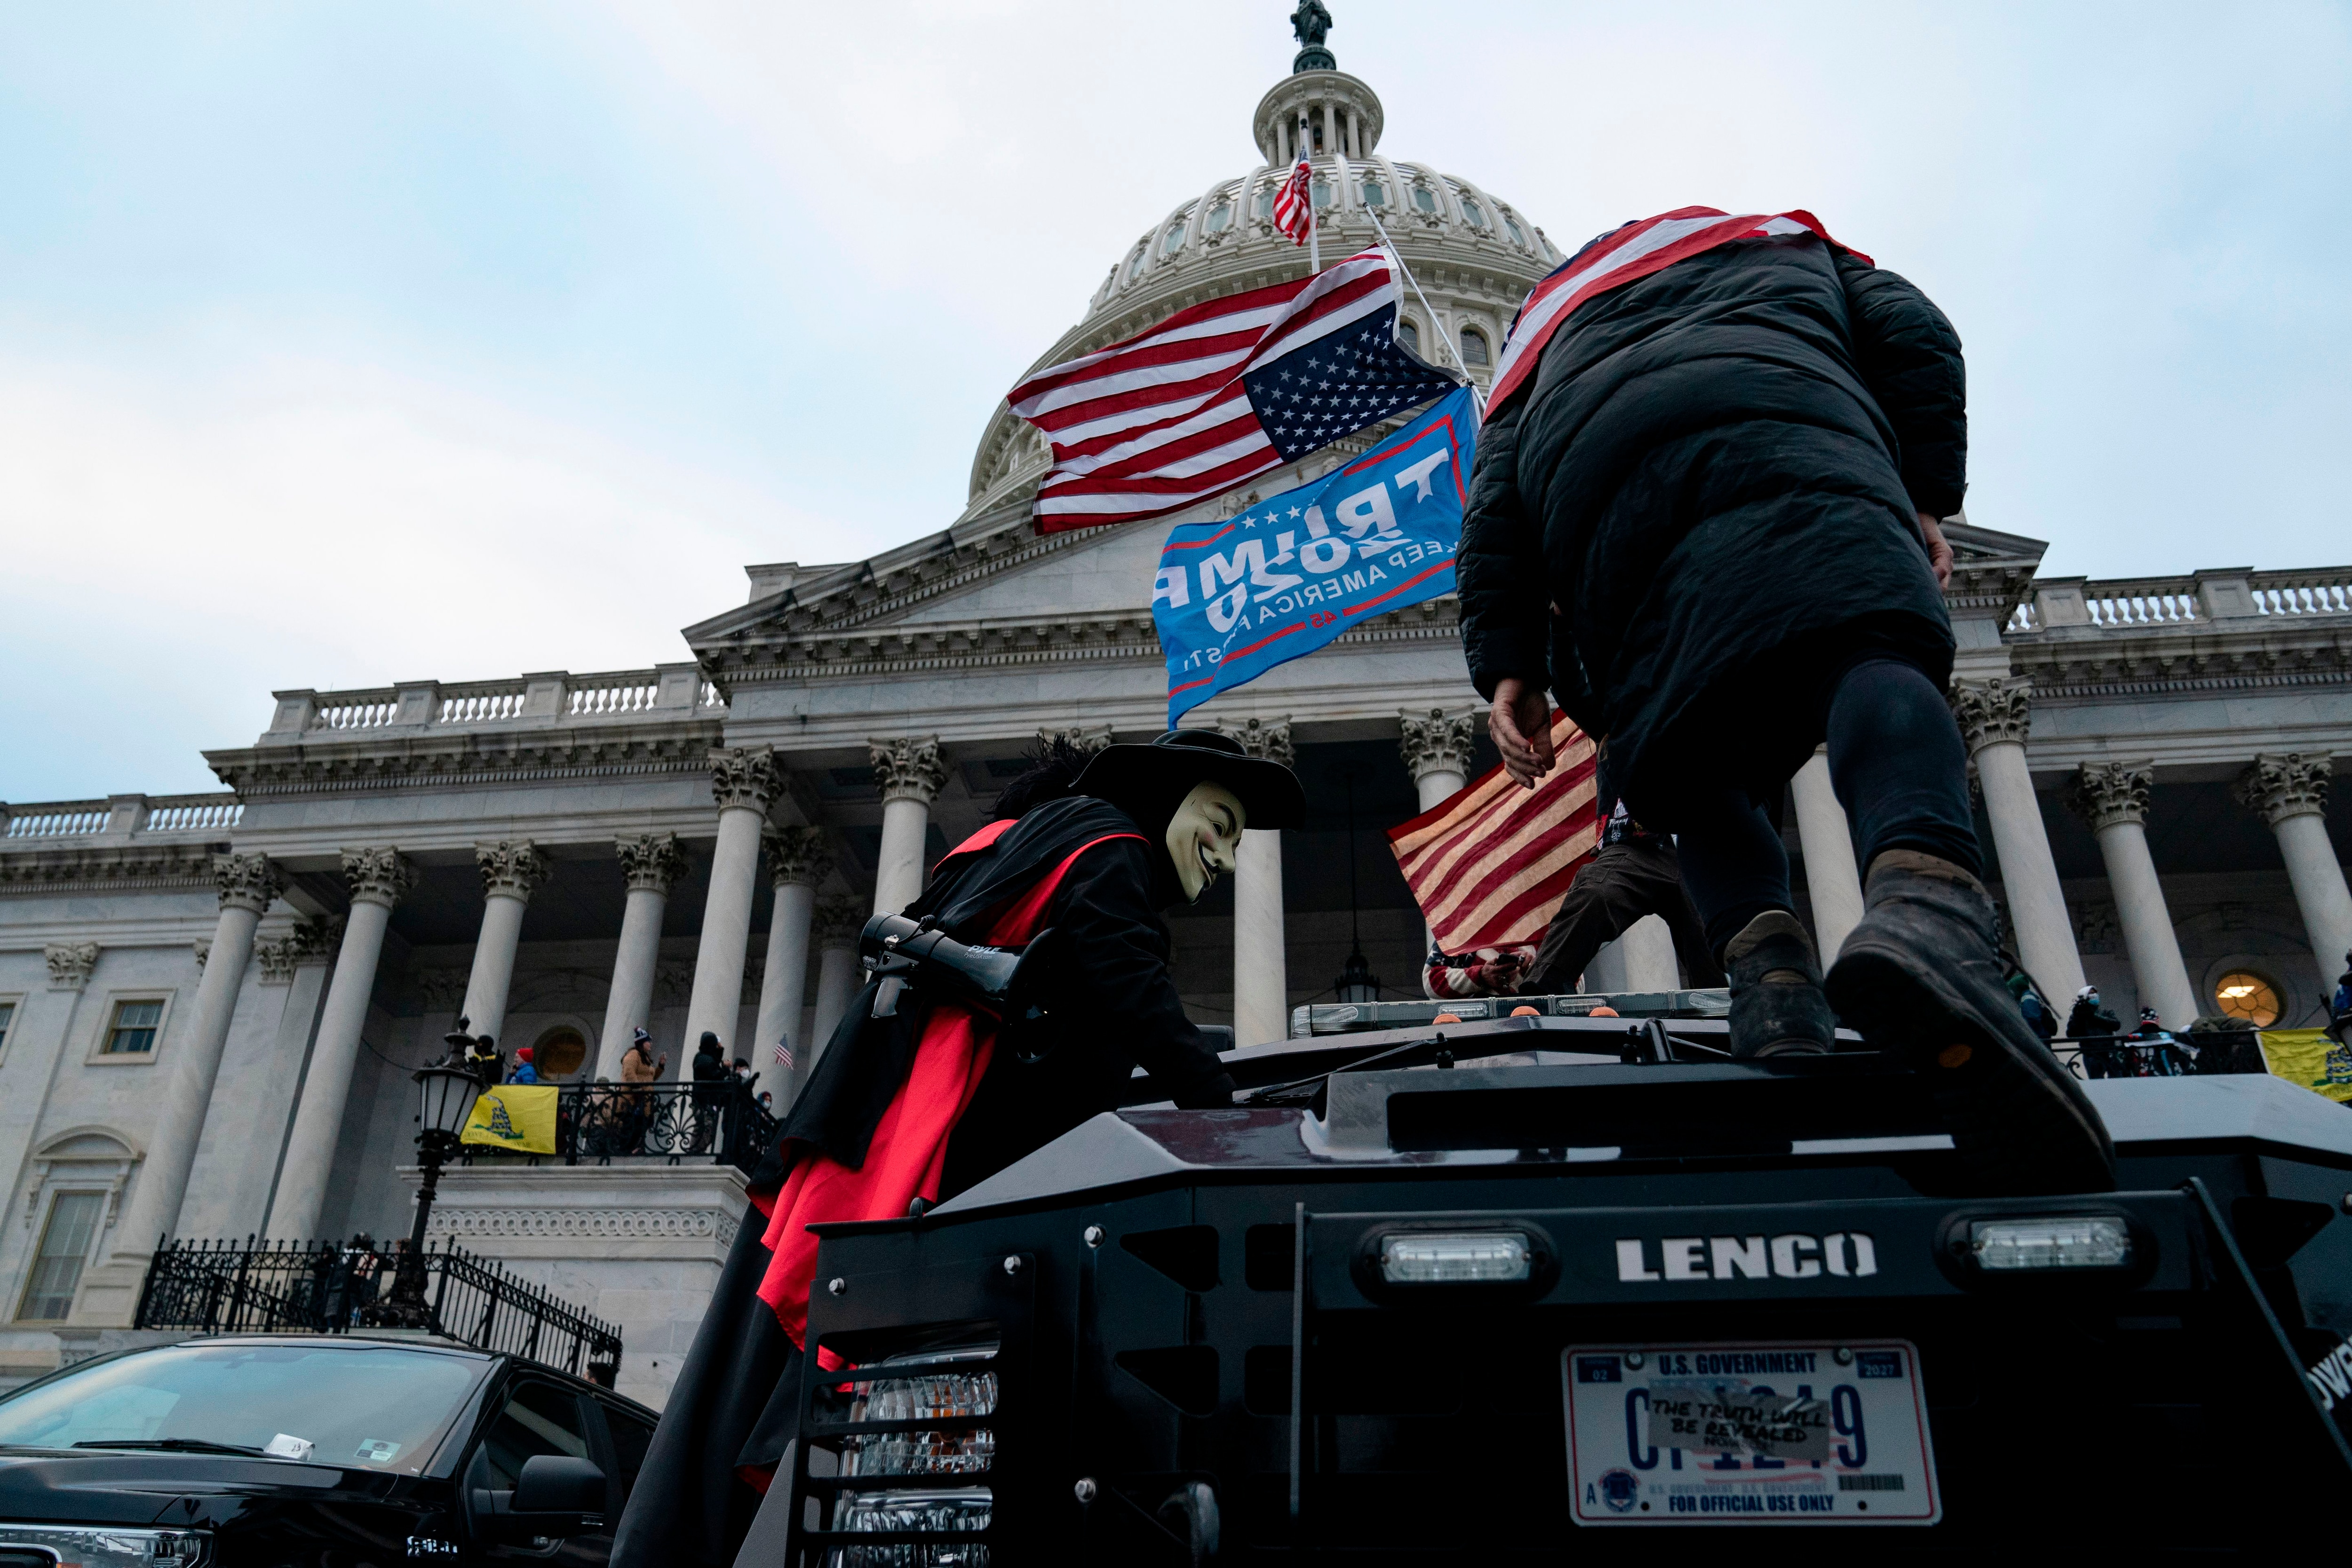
{"x": 1444, "y": 336}
{"x": 1314, "y": 224}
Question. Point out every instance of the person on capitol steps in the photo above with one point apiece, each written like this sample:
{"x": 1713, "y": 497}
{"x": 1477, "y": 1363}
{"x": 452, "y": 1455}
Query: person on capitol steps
{"x": 1704, "y": 515}
{"x": 915, "y": 1098}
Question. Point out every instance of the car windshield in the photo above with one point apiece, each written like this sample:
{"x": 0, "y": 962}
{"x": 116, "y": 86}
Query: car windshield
{"x": 375, "y": 1407}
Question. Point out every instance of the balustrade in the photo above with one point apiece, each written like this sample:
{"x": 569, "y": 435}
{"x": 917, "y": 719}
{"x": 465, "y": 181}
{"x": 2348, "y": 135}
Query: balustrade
{"x": 2131, "y": 604}
{"x": 87, "y": 818}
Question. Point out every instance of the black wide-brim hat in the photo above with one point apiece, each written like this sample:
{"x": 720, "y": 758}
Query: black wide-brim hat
{"x": 1269, "y": 793}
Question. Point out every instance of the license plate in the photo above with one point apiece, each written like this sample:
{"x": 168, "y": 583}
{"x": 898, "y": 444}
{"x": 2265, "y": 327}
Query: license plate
{"x": 1748, "y": 1434}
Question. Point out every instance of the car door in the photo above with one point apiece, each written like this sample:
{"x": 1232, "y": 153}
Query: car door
{"x": 539, "y": 1416}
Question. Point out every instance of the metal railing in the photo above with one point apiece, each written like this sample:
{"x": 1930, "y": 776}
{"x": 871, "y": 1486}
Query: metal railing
{"x": 597, "y": 1124}
{"x": 2167, "y": 1055}
{"x": 226, "y": 1286}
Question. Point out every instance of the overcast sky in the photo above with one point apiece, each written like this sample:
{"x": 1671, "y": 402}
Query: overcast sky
{"x": 347, "y": 343}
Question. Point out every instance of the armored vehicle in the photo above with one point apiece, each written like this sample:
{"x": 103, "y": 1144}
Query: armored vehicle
{"x": 1537, "y": 1289}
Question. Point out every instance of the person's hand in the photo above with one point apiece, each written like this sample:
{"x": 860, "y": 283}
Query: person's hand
{"x": 1520, "y": 722}
{"x": 1939, "y": 550}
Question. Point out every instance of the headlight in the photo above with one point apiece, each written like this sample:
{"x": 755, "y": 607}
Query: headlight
{"x": 967, "y": 1509}
{"x": 2087, "y": 1241}
{"x": 923, "y": 1398}
{"x": 1455, "y": 1258}
{"x": 107, "y": 1547}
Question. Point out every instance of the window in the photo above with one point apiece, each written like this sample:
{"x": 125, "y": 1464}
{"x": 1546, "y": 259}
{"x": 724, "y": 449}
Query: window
{"x": 631, "y": 1438}
{"x": 540, "y": 1418}
{"x": 2246, "y": 995}
{"x": 1375, "y": 193}
{"x": 132, "y": 1032}
{"x": 8, "y": 1018}
{"x": 1424, "y": 198}
{"x": 1264, "y": 205}
{"x": 1472, "y": 211}
{"x": 1409, "y": 334}
{"x": 1135, "y": 265}
{"x": 1219, "y": 217}
{"x": 1322, "y": 193}
{"x": 65, "y": 1247}
{"x": 1474, "y": 346}
{"x": 1518, "y": 236}
{"x": 1174, "y": 241}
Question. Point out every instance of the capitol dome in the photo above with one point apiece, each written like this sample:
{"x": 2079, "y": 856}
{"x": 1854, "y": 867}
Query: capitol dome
{"x": 1473, "y": 255}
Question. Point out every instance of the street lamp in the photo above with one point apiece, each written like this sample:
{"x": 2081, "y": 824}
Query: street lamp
{"x": 445, "y": 1097}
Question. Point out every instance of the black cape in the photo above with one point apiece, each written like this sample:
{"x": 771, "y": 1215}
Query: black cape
{"x": 736, "y": 1402}
{"x": 1714, "y": 479}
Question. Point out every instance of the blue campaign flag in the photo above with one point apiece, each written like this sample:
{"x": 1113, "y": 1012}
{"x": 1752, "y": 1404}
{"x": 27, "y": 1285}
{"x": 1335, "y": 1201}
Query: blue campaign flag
{"x": 1237, "y": 597}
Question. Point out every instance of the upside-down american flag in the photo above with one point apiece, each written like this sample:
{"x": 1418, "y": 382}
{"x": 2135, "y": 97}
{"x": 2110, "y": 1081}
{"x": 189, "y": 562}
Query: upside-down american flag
{"x": 1221, "y": 392}
{"x": 1489, "y": 864}
{"x": 1619, "y": 257}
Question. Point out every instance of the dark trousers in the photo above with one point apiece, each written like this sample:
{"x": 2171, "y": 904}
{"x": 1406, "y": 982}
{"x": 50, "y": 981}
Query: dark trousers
{"x": 1899, "y": 769}
{"x": 1621, "y": 884}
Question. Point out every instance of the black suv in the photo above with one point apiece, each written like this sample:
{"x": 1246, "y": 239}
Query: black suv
{"x": 257, "y": 1450}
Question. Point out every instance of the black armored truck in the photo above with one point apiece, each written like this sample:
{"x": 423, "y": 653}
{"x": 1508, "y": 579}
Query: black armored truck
{"x": 1537, "y": 1289}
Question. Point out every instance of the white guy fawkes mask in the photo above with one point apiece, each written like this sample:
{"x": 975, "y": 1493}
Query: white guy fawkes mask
{"x": 1203, "y": 836}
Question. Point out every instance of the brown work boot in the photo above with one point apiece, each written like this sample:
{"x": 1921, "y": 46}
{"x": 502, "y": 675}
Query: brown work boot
{"x": 1776, "y": 1005}
{"x": 1920, "y": 979}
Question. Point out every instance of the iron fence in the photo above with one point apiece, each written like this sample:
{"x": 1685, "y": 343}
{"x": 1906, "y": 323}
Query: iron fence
{"x": 601, "y": 1122}
{"x": 324, "y": 1286}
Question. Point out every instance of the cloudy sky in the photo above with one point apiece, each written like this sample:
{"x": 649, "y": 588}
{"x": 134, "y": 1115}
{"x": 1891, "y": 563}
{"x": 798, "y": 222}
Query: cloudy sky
{"x": 342, "y": 343}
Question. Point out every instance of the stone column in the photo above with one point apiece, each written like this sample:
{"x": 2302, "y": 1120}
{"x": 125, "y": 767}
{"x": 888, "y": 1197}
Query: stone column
{"x": 1260, "y": 969}
{"x": 1437, "y": 752}
{"x": 510, "y": 868}
{"x": 2113, "y": 799}
{"x": 1993, "y": 716}
{"x": 910, "y": 773}
{"x": 837, "y": 922}
{"x": 797, "y": 861}
{"x": 743, "y": 782}
{"x": 2291, "y": 792}
{"x": 1827, "y": 840}
{"x": 378, "y": 878}
{"x": 247, "y": 883}
{"x": 653, "y": 863}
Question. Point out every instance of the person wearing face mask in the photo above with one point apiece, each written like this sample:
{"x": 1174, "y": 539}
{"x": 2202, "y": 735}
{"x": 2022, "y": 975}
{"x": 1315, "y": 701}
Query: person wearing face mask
{"x": 920, "y": 1095}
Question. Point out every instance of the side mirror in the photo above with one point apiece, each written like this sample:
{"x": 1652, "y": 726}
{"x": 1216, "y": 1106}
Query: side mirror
{"x": 556, "y": 1496}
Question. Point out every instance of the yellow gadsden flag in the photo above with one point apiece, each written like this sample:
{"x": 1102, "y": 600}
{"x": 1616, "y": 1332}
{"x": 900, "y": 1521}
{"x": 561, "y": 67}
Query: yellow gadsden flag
{"x": 2309, "y": 1057}
{"x": 516, "y": 1116}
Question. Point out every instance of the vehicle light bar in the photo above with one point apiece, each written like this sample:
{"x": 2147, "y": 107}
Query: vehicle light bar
{"x": 2083, "y": 1241}
{"x": 1455, "y": 1258}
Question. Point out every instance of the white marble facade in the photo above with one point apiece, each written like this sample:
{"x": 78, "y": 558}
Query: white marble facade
{"x": 567, "y": 857}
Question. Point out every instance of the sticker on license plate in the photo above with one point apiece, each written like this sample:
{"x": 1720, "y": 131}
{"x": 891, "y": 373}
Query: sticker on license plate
{"x": 1748, "y": 1434}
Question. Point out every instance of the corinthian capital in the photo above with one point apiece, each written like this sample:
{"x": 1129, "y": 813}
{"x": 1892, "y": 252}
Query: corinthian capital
{"x": 70, "y": 963}
{"x": 1270, "y": 742}
{"x": 2279, "y": 786}
{"x": 797, "y": 855}
{"x": 511, "y": 867}
{"x": 1086, "y": 742}
{"x": 908, "y": 768}
{"x": 1438, "y": 743}
{"x": 837, "y": 922}
{"x": 652, "y": 861}
{"x": 1991, "y": 710}
{"x": 377, "y": 875}
{"x": 246, "y": 881}
{"x": 2105, "y": 794}
{"x": 744, "y": 776}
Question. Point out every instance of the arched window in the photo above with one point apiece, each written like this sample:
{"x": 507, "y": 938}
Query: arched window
{"x": 1424, "y": 198}
{"x": 1472, "y": 211}
{"x": 1262, "y": 206}
{"x": 1517, "y": 237}
{"x": 1474, "y": 346}
{"x": 1175, "y": 239}
{"x": 1409, "y": 334}
{"x": 2244, "y": 995}
{"x": 1322, "y": 193}
{"x": 1375, "y": 193}
{"x": 559, "y": 1053}
{"x": 1219, "y": 217}
{"x": 1135, "y": 265}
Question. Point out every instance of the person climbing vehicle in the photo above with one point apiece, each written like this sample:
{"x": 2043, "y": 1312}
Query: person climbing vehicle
{"x": 921, "y": 1093}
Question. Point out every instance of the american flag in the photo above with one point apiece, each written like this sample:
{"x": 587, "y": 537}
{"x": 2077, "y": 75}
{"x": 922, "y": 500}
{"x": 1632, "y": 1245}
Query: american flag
{"x": 785, "y": 1055}
{"x": 1222, "y": 392}
{"x": 1489, "y": 864}
{"x": 1617, "y": 258}
{"x": 1293, "y": 205}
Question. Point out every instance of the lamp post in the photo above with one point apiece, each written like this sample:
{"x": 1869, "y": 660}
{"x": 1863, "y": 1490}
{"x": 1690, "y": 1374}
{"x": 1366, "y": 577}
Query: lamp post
{"x": 445, "y": 1096}
{"x": 1357, "y": 982}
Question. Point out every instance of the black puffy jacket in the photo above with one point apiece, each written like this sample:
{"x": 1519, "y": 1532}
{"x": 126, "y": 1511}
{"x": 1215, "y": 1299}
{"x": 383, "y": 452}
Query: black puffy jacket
{"x": 1714, "y": 477}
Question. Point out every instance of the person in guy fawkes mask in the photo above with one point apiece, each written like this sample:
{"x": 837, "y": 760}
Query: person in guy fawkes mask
{"x": 913, "y": 1106}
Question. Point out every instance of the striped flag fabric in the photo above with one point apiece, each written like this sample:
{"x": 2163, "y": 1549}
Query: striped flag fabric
{"x": 1619, "y": 257}
{"x": 1293, "y": 203}
{"x": 1221, "y": 392}
{"x": 784, "y": 1054}
{"x": 1489, "y": 864}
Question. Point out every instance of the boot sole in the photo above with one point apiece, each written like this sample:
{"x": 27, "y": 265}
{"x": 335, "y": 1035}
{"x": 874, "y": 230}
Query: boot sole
{"x": 2020, "y": 1126}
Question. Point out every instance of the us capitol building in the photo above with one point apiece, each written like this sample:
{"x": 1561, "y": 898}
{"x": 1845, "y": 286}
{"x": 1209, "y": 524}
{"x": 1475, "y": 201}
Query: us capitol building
{"x": 210, "y": 1005}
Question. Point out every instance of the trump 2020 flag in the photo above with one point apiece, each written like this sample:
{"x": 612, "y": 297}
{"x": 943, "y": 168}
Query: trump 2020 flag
{"x": 1237, "y": 597}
